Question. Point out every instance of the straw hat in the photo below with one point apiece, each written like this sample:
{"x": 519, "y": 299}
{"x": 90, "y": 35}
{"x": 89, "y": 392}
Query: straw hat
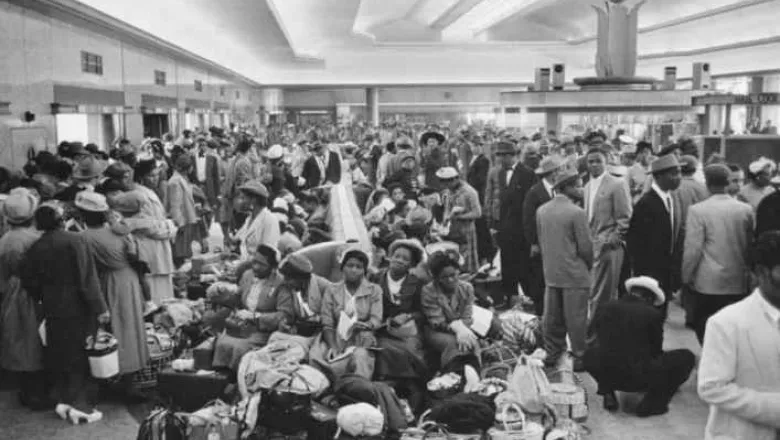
{"x": 650, "y": 284}
{"x": 19, "y": 206}
{"x": 91, "y": 201}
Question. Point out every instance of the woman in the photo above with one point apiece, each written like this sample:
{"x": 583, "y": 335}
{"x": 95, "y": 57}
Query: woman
{"x": 261, "y": 226}
{"x": 401, "y": 354}
{"x": 180, "y": 206}
{"x": 120, "y": 283}
{"x": 59, "y": 271}
{"x": 20, "y": 347}
{"x": 351, "y": 313}
{"x": 306, "y": 291}
{"x": 447, "y": 303}
{"x": 759, "y": 182}
{"x": 262, "y": 309}
{"x": 462, "y": 209}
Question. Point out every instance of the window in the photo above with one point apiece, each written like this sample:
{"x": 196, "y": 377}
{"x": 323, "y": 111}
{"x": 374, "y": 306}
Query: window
{"x": 159, "y": 77}
{"x": 91, "y": 63}
{"x": 238, "y": 94}
{"x": 222, "y": 92}
{"x": 198, "y": 85}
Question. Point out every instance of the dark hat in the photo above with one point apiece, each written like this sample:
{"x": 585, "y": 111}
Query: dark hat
{"x": 669, "y": 149}
{"x": 503, "y": 148}
{"x": 565, "y": 177}
{"x": 296, "y": 265}
{"x": 688, "y": 163}
{"x": 145, "y": 167}
{"x": 255, "y": 188}
{"x": 664, "y": 163}
{"x": 183, "y": 162}
{"x": 432, "y": 135}
{"x": 117, "y": 170}
{"x": 88, "y": 169}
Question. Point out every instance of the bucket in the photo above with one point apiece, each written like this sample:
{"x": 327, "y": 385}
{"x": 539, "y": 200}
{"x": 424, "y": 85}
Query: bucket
{"x": 103, "y": 355}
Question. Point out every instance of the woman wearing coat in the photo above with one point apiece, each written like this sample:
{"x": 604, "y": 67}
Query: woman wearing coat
{"x": 351, "y": 313}
{"x": 120, "y": 283}
{"x": 261, "y": 226}
{"x": 20, "y": 347}
{"x": 180, "y": 206}
{"x": 261, "y": 311}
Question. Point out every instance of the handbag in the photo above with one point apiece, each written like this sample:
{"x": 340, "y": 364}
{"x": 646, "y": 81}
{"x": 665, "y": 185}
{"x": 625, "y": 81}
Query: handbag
{"x": 103, "y": 355}
{"x": 530, "y": 384}
{"x": 282, "y": 410}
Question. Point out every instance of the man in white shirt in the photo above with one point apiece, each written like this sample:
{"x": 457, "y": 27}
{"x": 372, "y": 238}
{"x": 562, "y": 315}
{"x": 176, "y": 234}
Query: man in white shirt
{"x": 738, "y": 374}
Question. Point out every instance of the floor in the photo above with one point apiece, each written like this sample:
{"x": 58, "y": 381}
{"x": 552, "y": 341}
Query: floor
{"x": 685, "y": 419}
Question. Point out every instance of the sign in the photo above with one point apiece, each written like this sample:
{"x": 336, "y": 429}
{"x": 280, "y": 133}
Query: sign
{"x": 751, "y": 99}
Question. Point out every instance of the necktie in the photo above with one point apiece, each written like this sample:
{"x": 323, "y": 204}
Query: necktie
{"x": 670, "y": 208}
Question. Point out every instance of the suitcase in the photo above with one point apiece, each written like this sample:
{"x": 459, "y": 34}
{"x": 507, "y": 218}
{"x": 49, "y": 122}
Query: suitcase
{"x": 189, "y": 391}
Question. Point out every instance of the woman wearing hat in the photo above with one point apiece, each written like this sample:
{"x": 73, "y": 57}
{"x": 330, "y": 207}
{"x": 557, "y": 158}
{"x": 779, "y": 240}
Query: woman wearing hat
{"x": 401, "y": 356}
{"x": 351, "y": 313}
{"x": 20, "y": 347}
{"x": 262, "y": 309}
{"x": 180, "y": 206}
{"x": 433, "y": 157}
{"x": 461, "y": 209}
{"x": 261, "y": 226}
{"x": 120, "y": 283}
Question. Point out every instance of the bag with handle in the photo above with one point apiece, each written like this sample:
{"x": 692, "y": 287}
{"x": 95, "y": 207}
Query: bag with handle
{"x": 215, "y": 421}
{"x": 163, "y": 424}
{"x": 103, "y": 355}
{"x": 529, "y": 383}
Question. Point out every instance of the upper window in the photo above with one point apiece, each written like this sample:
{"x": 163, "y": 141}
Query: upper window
{"x": 221, "y": 91}
{"x": 198, "y": 85}
{"x": 238, "y": 94}
{"x": 91, "y": 63}
{"x": 159, "y": 78}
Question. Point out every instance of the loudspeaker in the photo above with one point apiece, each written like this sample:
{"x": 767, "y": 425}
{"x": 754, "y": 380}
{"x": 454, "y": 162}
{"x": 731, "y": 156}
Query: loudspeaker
{"x": 701, "y": 76}
{"x": 558, "y": 76}
{"x": 542, "y": 83}
{"x": 670, "y": 78}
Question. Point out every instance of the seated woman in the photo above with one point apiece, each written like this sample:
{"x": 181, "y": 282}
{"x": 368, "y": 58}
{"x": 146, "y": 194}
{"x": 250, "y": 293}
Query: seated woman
{"x": 351, "y": 313}
{"x": 306, "y": 291}
{"x": 401, "y": 358}
{"x": 263, "y": 309}
{"x": 447, "y": 303}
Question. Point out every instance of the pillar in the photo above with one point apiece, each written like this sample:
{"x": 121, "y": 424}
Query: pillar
{"x": 727, "y": 124}
{"x": 754, "y": 111}
{"x": 272, "y": 104}
{"x": 372, "y": 106}
{"x": 553, "y": 121}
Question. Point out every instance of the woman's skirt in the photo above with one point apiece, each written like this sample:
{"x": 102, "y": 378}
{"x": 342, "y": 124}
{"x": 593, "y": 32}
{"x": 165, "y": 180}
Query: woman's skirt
{"x": 400, "y": 358}
{"x": 182, "y": 244}
{"x": 20, "y": 344}
{"x": 161, "y": 287}
{"x": 445, "y": 346}
{"x": 228, "y": 350}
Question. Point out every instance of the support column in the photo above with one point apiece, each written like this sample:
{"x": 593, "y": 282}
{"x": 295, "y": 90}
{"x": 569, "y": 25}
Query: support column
{"x": 553, "y": 120}
{"x": 272, "y": 104}
{"x": 727, "y": 124}
{"x": 372, "y": 106}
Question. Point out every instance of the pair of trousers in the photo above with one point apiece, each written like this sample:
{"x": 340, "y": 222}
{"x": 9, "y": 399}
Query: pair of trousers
{"x": 706, "y": 305}
{"x": 515, "y": 254}
{"x": 565, "y": 312}
{"x": 536, "y": 285}
{"x": 605, "y": 279}
{"x": 659, "y": 379}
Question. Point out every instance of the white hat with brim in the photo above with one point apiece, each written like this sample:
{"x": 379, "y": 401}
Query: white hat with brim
{"x": 650, "y": 284}
{"x": 447, "y": 173}
{"x": 626, "y": 139}
{"x": 91, "y": 201}
{"x": 275, "y": 152}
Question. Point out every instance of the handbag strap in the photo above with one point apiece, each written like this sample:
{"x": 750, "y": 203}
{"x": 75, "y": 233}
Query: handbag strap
{"x": 511, "y": 406}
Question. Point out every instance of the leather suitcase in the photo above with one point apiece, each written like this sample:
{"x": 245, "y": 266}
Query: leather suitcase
{"x": 189, "y": 391}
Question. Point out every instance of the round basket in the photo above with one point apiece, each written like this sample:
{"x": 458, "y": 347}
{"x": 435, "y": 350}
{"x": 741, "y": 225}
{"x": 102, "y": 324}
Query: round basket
{"x": 497, "y": 371}
{"x": 570, "y": 401}
{"x": 443, "y": 393}
{"x": 497, "y": 353}
{"x": 515, "y": 427}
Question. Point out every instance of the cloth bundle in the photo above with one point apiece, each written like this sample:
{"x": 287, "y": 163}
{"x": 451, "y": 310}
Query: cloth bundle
{"x": 465, "y": 413}
{"x": 278, "y": 362}
{"x": 360, "y": 419}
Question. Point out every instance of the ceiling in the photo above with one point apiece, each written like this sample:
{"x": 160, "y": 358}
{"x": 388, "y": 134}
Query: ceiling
{"x": 385, "y": 42}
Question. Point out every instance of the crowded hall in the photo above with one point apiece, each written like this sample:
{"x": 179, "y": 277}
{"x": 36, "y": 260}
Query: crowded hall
{"x": 376, "y": 219}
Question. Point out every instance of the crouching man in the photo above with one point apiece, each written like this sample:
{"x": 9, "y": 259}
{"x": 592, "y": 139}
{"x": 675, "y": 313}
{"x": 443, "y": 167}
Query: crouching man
{"x": 627, "y": 355}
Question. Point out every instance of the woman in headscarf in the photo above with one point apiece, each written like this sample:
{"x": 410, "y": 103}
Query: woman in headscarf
{"x": 20, "y": 347}
{"x": 759, "y": 178}
{"x": 351, "y": 313}
{"x": 180, "y": 206}
{"x": 261, "y": 310}
{"x": 120, "y": 283}
{"x": 261, "y": 226}
{"x": 401, "y": 356}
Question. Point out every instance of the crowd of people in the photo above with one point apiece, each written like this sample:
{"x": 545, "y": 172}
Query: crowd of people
{"x": 600, "y": 234}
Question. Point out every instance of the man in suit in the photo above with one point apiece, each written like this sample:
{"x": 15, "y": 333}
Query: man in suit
{"x": 477, "y": 176}
{"x": 507, "y": 187}
{"x": 608, "y": 205}
{"x": 539, "y": 194}
{"x": 653, "y": 231}
{"x": 323, "y": 166}
{"x": 567, "y": 254}
{"x": 205, "y": 174}
{"x": 628, "y": 352}
{"x": 717, "y": 236}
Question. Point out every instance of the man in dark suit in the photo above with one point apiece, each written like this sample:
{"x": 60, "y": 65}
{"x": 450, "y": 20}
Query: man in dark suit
{"x": 507, "y": 186}
{"x": 628, "y": 352}
{"x": 652, "y": 232}
{"x": 538, "y": 195}
{"x": 477, "y": 176}
{"x": 323, "y": 166}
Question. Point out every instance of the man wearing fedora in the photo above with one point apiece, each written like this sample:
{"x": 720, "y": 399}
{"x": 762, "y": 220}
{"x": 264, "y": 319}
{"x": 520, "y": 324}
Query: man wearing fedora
{"x": 323, "y": 166}
{"x": 654, "y": 228}
{"x": 476, "y": 176}
{"x": 539, "y": 194}
{"x": 567, "y": 256}
{"x": 628, "y": 355}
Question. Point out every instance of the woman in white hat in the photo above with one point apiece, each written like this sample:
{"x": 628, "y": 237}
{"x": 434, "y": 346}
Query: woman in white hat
{"x": 461, "y": 209}
{"x": 759, "y": 178}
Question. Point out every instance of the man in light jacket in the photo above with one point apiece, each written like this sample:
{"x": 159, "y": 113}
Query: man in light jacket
{"x": 738, "y": 374}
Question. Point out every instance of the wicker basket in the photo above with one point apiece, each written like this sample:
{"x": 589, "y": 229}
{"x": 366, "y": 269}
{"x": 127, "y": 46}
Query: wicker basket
{"x": 520, "y": 430}
{"x": 161, "y": 354}
{"x": 497, "y": 371}
{"x": 497, "y": 353}
{"x": 431, "y": 430}
{"x": 570, "y": 401}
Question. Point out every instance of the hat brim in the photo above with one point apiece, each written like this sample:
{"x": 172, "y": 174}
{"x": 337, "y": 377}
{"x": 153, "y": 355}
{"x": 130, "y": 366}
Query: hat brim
{"x": 566, "y": 180}
{"x": 660, "y": 298}
{"x": 432, "y": 135}
{"x": 409, "y": 244}
{"x": 251, "y": 190}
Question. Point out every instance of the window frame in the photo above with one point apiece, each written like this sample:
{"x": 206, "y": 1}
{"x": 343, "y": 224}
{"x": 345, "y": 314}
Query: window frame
{"x": 198, "y": 85}
{"x": 91, "y": 63}
{"x": 160, "y": 78}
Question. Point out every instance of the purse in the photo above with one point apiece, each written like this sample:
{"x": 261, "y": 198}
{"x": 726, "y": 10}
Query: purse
{"x": 284, "y": 411}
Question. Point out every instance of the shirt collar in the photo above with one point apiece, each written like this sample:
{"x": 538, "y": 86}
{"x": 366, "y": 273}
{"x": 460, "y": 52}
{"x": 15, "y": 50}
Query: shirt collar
{"x": 548, "y": 186}
{"x": 663, "y": 194}
{"x": 772, "y": 312}
{"x": 597, "y": 180}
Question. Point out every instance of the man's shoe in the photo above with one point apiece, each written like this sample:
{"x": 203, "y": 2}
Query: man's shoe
{"x": 648, "y": 410}
{"x": 610, "y": 402}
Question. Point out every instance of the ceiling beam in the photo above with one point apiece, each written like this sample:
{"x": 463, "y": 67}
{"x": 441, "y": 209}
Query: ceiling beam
{"x": 710, "y": 49}
{"x": 454, "y": 12}
{"x": 484, "y": 16}
{"x": 297, "y": 52}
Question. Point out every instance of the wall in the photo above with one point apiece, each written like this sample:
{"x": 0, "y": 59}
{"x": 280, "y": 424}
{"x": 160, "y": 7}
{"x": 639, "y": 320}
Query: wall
{"x": 40, "y": 51}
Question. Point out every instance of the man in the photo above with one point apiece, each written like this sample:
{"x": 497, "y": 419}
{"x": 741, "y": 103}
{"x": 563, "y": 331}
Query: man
{"x": 717, "y": 235}
{"x": 323, "y": 166}
{"x": 477, "y": 176}
{"x": 608, "y": 207}
{"x": 539, "y": 194}
{"x": 738, "y": 373}
{"x": 653, "y": 230}
{"x": 567, "y": 254}
{"x": 628, "y": 354}
{"x": 507, "y": 187}
{"x": 736, "y": 179}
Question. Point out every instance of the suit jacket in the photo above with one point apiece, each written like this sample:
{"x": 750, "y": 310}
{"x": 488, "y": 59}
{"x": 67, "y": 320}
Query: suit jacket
{"x": 311, "y": 171}
{"x": 738, "y": 374}
{"x": 409, "y": 296}
{"x": 179, "y": 203}
{"x": 59, "y": 271}
{"x": 567, "y": 251}
{"x": 718, "y": 233}
{"x": 536, "y": 197}
{"x": 510, "y": 209}
{"x": 477, "y": 175}
{"x": 211, "y": 185}
{"x": 650, "y": 240}
{"x": 768, "y": 214}
{"x": 611, "y": 212}
{"x": 496, "y": 184}
{"x": 629, "y": 334}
